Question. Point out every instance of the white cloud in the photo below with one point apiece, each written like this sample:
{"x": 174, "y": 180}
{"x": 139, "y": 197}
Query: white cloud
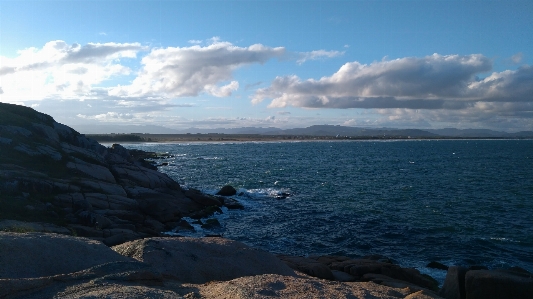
{"x": 414, "y": 92}
{"x": 318, "y": 54}
{"x": 431, "y": 82}
{"x": 109, "y": 116}
{"x": 222, "y": 91}
{"x": 59, "y": 70}
{"x": 189, "y": 71}
{"x": 118, "y": 117}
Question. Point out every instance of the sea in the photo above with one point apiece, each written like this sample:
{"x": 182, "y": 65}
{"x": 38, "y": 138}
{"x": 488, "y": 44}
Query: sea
{"x": 457, "y": 202}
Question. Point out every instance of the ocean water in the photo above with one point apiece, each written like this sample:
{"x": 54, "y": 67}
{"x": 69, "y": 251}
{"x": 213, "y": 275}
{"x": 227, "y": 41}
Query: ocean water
{"x": 458, "y": 202}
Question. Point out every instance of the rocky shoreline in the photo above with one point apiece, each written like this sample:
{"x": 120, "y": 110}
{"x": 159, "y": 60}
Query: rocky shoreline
{"x": 81, "y": 220}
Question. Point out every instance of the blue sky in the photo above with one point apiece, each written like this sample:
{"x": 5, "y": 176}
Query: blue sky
{"x": 225, "y": 64}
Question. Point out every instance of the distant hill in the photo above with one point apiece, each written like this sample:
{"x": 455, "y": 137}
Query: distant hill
{"x": 316, "y": 130}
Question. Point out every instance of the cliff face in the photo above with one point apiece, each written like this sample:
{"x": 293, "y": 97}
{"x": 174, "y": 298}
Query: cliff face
{"x": 51, "y": 173}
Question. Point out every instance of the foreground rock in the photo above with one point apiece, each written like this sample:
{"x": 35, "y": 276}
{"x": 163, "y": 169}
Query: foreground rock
{"x": 33, "y": 255}
{"x": 196, "y": 260}
{"x": 276, "y": 286}
{"x": 38, "y": 265}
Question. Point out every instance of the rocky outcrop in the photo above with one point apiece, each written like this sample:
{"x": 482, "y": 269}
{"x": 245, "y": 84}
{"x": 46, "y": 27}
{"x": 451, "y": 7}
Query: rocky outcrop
{"x": 463, "y": 283}
{"x": 308, "y": 266}
{"x": 108, "y": 194}
{"x": 376, "y": 269}
{"x": 37, "y": 266}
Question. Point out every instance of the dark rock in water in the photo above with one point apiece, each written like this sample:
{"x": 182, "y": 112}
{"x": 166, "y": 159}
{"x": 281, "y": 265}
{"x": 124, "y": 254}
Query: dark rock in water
{"x": 308, "y": 266}
{"x": 437, "y": 265}
{"x": 454, "y": 284}
{"x": 207, "y": 212}
{"x": 227, "y": 191}
{"x": 232, "y": 204}
{"x": 211, "y": 223}
{"x": 486, "y": 284}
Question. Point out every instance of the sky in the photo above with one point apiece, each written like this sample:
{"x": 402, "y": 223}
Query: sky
{"x": 286, "y": 64}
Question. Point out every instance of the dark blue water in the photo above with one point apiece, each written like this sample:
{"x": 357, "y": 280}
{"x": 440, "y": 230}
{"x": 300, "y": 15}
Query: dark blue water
{"x": 461, "y": 202}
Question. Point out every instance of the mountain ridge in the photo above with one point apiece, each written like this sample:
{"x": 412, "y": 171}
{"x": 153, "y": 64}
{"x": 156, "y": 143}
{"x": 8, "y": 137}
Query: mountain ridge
{"x": 315, "y": 130}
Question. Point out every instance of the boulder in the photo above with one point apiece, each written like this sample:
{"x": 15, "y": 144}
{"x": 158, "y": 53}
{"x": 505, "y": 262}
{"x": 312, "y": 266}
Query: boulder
{"x": 202, "y": 260}
{"x": 360, "y": 267}
{"x": 487, "y": 284}
{"x": 308, "y": 266}
{"x": 227, "y": 191}
{"x": 31, "y": 255}
{"x": 454, "y": 284}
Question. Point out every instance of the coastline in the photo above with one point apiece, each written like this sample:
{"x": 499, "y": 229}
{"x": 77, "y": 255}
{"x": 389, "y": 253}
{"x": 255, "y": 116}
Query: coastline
{"x": 229, "y": 138}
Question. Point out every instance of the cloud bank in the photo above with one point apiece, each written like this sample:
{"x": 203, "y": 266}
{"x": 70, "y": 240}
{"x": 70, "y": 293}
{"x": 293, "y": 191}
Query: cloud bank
{"x": 63, "y": 71}
{"x": 129, "y": 82}
{"x": 189, "y": 71}
{"x": 431, "y": 82}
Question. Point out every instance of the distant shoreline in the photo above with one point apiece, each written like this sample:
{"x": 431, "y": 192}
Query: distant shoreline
{"x": 178, "y": 138}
